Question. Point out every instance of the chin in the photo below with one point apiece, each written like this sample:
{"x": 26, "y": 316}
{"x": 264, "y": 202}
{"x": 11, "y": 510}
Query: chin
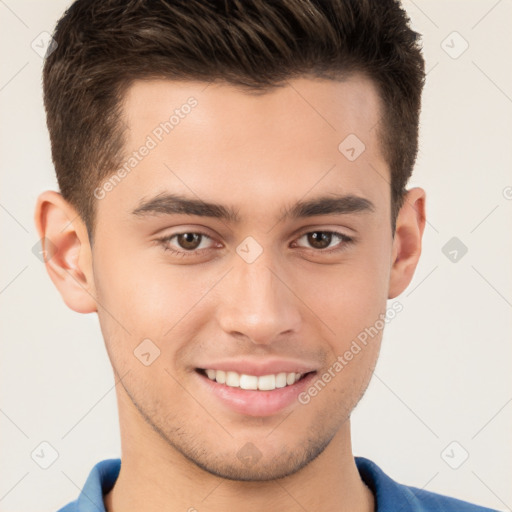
{"x": 251, "y": 465}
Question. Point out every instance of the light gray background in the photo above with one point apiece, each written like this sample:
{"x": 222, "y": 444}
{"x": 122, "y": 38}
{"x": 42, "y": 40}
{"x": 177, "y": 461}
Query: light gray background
{"x": 444, "y": 370}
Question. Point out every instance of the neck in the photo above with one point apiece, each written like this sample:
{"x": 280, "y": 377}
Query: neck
{"x": 156, "y": 477}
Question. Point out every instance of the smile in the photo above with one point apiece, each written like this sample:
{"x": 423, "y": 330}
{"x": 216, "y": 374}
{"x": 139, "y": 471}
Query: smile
{"x": 252, "y": 395}
{"x": 243, "y": 381}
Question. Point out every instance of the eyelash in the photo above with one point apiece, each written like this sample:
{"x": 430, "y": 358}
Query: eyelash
{"x": 165, "y": 240}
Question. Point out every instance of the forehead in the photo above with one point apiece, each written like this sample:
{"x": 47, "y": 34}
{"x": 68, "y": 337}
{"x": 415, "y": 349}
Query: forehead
{"x": 227, "y": 113}
{"x": 217, "y": 141}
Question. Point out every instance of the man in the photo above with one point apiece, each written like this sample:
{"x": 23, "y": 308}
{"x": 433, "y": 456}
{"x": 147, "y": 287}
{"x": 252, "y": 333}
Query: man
{"x": 233, "y": 206}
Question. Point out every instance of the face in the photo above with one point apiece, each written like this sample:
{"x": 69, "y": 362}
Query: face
{"x": 281, "y": 277}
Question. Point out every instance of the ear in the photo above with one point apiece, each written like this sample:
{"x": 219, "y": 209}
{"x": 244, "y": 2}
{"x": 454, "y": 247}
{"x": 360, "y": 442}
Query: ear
{"x": 407, "y": 243}
{"x": 66, "y": 250}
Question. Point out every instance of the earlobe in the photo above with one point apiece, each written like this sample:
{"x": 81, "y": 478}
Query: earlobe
{"x": 407, "y": 243}
{"x": 66, "y": 250}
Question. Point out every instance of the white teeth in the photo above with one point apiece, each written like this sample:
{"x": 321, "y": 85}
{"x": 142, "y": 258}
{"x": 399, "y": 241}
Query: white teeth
{"x": 281, "y": 380}
{"x": 233, "y": 379}
{"x": 266, "y": 382}
{"x": 263, "y": 383}
{"x": 248, "y": 382}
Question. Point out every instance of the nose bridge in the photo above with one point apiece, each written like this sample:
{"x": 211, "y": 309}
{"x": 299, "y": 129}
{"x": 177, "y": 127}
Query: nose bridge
{"x": 257, "y": 303}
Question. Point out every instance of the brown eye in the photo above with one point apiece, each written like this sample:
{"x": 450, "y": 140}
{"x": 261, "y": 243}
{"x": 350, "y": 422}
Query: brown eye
{"x": 185, "y": 244}
{"x": 189, "y": 241}
{"x": 321, "y": 240}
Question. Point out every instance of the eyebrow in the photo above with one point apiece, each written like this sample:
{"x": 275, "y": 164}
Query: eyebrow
{"x": 169, "y": 204}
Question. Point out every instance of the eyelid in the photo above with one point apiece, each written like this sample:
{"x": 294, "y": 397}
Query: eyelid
{"x": 349, "y": 233}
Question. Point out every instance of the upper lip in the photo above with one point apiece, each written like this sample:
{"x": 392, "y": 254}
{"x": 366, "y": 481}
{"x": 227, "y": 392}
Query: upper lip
{"x": 260, "y": 367}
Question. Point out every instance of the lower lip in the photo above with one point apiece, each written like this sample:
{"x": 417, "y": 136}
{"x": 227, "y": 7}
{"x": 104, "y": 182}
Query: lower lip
{"x": 256, "y": 403}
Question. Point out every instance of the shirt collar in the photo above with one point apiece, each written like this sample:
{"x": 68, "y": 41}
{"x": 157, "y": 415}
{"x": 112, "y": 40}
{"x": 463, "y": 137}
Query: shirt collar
{"x": 100, "y": 481}
{"x": 386, "y": 491}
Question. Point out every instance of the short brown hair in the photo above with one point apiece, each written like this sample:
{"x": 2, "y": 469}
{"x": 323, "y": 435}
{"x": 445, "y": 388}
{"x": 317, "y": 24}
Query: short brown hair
{"x": 103, "y": 45}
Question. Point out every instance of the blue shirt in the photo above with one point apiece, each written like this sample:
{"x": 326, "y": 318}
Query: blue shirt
{"x": 390, "y": 496}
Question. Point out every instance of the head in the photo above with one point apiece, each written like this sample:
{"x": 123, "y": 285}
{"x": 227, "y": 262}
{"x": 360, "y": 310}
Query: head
{"x": 245, "y": 109}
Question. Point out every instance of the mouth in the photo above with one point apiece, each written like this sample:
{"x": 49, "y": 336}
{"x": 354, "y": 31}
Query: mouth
{"x": 268, "y": 382}
{"x": 252, "y": 395}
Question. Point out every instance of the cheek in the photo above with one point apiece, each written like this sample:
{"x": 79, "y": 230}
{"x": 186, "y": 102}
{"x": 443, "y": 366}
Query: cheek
{"x": 350, "y": 297}
{"x": 145, "y": 296}
{"x": 127, "y": 281}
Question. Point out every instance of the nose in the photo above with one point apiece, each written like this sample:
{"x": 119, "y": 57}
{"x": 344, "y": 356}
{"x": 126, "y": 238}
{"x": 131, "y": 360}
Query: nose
{"x": 258, "y": 302}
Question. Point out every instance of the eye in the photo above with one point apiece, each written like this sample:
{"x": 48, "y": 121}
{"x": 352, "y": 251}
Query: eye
{"x": 190, "y": 241}
{"x": 321, "y": 240}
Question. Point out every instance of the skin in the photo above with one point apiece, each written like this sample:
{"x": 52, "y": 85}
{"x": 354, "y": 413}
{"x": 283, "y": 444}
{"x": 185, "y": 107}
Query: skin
{"x": 259, "y": 153}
